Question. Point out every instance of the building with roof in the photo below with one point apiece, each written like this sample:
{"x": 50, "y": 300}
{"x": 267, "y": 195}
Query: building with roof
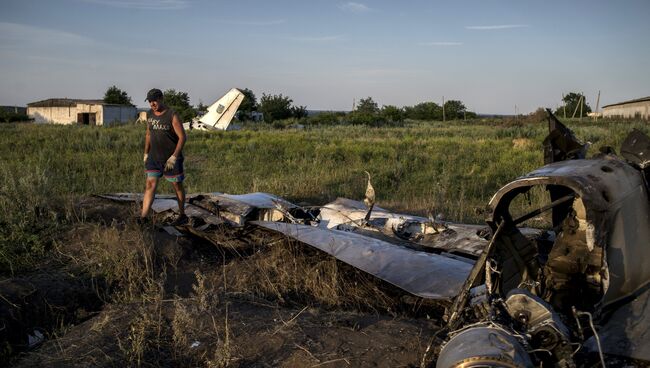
{"x": 638, "y": 108}
{"x": 76, "y": 111}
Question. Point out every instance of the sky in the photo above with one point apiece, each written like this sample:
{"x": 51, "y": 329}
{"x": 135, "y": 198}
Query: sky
{"x": 495, "y": 56}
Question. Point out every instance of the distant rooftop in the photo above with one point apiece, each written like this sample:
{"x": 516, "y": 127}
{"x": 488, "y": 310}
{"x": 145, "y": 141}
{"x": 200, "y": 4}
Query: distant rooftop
{"x": 642, "y": 99}
{"x": 65, "y": 102}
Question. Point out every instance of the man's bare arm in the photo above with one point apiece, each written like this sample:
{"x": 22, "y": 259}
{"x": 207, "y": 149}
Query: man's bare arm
{"x": 147, "y": 143}
{"x": 180, "y": 132}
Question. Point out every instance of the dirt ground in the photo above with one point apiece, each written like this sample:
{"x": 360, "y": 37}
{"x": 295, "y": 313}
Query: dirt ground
{"x": 117, "y": 294}
{"x": 113, "y": 294}
{"x": 236, "y": 332}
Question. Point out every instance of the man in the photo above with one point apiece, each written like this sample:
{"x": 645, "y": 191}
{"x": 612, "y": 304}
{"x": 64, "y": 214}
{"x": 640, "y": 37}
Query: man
{"x": 163, "y": 154}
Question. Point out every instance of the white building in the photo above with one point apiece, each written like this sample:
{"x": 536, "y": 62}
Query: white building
{"x": 638, "y": 108}
{"x": 73, "y": 111}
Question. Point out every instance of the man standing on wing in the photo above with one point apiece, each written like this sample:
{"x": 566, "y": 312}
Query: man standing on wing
{"x": 163, "y": 153}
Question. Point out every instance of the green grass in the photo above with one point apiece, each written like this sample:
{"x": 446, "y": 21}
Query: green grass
{"x": 451, "y": 168}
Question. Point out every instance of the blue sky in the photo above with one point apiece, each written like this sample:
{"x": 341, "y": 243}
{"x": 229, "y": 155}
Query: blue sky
{"x": 490, "y": 54}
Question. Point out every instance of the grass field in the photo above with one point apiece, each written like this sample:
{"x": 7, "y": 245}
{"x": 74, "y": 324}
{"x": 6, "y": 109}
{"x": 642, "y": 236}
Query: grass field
{"x": 451, "y": 168}
{"x": 107, "y": 292}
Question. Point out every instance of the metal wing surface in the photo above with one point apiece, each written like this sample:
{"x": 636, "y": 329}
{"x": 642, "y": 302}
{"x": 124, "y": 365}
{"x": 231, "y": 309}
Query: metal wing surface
{"x": 427, "y": 275}
{"x": 348, "y": 214}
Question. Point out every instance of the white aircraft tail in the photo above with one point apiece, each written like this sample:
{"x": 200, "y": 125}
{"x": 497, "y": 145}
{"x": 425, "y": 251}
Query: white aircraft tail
{"x": 222, "y": 111}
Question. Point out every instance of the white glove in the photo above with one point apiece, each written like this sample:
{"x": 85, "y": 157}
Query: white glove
{"x": 145, "y": 157}
{"x": 171, "y": 161}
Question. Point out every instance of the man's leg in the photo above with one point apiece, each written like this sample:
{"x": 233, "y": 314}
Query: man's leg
{"x": 176, "y": 177}
{"x": 149, "y": 194}
{"x": 180, "y": 196}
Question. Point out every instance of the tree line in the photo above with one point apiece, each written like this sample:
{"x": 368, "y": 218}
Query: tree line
{"x": 276, "y": 108}
{"x": 272, "y": 107}
{"x": 280, "y": 109}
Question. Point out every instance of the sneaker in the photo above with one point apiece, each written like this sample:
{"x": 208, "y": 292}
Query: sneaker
{"x": 180, "y": 220}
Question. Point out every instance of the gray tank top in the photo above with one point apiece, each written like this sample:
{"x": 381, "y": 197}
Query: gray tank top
{"x": 162, "y": 134}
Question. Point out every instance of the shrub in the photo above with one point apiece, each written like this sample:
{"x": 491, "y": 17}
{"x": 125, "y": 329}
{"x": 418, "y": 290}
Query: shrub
{"x": 27, "y": 219}
{"x": 368, "y": 106}
{"x": 116, "y": 96}
{"x": 180, "y": 102}
{"x": 326, "y": 118}
{"x": 424, "y": 111}
{"x": 392, "y": 113}
{"x": 364, "y": 118}
{"x": 278, "y": 107}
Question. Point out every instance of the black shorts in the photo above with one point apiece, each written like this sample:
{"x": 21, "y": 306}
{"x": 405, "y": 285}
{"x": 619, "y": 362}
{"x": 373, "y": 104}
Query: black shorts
{"x": 156, "y": 169}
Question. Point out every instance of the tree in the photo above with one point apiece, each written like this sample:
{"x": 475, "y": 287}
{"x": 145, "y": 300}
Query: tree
{"x": 201, "y": 109}
{"x": 248, "y": 105}
{"x": 326, "y": 118}
{"x": 424, "y": 111}
{"x": 299, "y": 111}
{"x": 180, "y": 102}
{"x": 454, "y": 109}
{"x": 366, "y": 113}
{"x": 392, "y": 113}
{"x": 275, "y": 107}
{"x": 357, "y": 117}
{"x": 116, "y": 96}
{"x": 572, "y": 102}
{"x": 367, "y": 105}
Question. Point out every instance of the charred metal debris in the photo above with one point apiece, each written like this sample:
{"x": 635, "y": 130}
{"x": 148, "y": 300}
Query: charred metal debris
{"x": 515, "y": 296}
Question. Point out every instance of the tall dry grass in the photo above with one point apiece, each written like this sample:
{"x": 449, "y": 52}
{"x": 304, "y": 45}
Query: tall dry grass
{"x": 449, "y": 168}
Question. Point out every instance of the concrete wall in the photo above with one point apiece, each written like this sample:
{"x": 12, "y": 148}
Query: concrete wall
{"x": 56, "y": 115}
{"x": 98, "y": 110}
{"x": 630, "y": 110}
{"x": 116, "y": 114}
{"x": 104, "y": 114}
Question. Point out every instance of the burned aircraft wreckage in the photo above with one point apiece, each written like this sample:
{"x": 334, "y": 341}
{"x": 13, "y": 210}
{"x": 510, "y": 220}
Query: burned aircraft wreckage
{"x": 514, "y": 296}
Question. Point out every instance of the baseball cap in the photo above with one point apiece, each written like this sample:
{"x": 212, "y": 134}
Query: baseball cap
{"x": 154, "y": 94}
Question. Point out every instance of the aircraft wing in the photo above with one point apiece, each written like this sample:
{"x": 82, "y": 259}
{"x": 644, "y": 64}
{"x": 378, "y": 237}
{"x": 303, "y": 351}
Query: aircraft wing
{"x": 347, "y": 214}
{"x": 428, "y": 275}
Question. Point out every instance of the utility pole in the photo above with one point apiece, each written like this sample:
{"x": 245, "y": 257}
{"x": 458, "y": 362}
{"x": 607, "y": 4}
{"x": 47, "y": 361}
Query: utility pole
{"x": 354, "y": 103}
{"x": 597, "y": 103}
{"x": 564, "y": 104}
{"x": 443, "y": 108}
{"x": 577, "y": 106}
{"x": 516, "y": 116}
{"x": 582, "y": 102}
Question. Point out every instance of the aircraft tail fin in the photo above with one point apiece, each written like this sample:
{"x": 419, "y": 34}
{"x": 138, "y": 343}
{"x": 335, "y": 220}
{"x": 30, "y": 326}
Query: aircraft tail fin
{"x": 221, "y": 112}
